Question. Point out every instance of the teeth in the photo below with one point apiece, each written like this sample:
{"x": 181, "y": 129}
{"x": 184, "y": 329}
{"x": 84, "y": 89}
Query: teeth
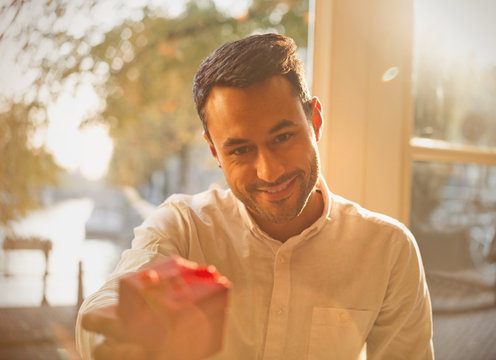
{"x": 275, "y": 190}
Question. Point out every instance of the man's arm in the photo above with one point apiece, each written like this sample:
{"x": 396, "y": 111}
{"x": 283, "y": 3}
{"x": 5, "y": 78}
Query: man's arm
{"x": 99, "y": 306}
{"x": 403, "y": 328}
{"x": 160, "y": 235}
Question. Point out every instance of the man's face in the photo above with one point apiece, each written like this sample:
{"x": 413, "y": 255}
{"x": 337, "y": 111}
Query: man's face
{"x": 266, "y": 146}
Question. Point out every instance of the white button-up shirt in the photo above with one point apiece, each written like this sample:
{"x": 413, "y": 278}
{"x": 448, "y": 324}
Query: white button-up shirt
{"x": 350, "y": 286}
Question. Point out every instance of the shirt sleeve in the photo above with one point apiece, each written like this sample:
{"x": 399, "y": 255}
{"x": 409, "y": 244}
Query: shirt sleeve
{"x": 403, "y": 328}
{"x": 159, "y": 236}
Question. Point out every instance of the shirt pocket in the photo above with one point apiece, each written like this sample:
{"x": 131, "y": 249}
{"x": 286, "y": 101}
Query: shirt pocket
{"x": 338, "y": 333}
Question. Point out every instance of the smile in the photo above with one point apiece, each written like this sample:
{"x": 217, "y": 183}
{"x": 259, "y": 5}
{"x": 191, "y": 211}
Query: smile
{"x": 278, "y": 192}
{"x": 278, "y": 188}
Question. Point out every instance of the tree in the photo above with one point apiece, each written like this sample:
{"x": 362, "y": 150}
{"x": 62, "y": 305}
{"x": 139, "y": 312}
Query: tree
{"x": 23, "y": 169}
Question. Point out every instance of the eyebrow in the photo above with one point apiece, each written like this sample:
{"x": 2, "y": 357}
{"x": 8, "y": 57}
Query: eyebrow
{"x": 281, "y": 125}
{"x": 239, "y": 141}
{"x": 233, "y": 141}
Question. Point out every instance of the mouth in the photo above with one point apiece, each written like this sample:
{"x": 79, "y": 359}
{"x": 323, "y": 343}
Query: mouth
{"x": 278, "y": 192}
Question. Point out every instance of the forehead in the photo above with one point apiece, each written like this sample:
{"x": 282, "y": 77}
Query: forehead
{"x": 255, "y": 108}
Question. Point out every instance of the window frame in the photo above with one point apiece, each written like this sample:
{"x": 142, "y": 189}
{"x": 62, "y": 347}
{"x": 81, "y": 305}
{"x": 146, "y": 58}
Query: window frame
{"x": 367, "y": 148}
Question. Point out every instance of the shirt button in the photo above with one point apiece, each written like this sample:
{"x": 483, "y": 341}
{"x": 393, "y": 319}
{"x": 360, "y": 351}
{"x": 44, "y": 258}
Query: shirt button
{"x": 279, "y": 310}
{"x": 282, "y": 260}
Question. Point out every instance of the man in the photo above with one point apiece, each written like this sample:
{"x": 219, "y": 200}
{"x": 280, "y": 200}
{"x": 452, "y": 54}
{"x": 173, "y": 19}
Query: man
{"x": 313, "y": 275}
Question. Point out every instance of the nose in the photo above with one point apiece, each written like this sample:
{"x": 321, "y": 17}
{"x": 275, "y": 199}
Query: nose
{"x": 269, "y": 166}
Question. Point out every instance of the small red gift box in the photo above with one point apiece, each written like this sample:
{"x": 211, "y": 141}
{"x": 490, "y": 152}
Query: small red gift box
{"x": 176, "y": 309}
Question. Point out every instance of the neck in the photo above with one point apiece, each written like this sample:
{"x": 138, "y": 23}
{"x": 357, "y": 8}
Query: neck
{"x": 282, "y": 232}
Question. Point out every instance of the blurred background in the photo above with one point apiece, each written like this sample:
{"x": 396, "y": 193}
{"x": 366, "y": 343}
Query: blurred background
{"x": 98, "y": 126}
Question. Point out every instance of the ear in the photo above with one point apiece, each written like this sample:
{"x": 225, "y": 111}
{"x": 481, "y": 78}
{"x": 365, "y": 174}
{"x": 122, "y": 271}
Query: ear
{"x": 211, "y": 146}
{"x": 317, "y": 117}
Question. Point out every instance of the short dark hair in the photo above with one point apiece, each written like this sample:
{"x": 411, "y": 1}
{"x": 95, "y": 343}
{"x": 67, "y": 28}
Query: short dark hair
{"x": 249, "y": 61}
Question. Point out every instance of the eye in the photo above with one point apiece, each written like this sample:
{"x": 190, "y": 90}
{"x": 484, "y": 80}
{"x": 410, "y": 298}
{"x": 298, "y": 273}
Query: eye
{"x": 240, "y": 150}
{"x": 283, "y": 137}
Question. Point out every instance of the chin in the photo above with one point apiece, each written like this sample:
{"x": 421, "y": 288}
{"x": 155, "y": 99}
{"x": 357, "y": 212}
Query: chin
{"x": 284, "y": 214}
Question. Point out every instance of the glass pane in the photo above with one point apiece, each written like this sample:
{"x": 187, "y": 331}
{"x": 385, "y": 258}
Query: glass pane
{"x": 455, "y": 71}
{"x": 453, "y": 218}
{"x": 100, "y": 126}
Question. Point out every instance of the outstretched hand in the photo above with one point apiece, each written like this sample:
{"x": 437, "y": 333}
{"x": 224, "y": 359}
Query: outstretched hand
{"x": 114, "y": 345}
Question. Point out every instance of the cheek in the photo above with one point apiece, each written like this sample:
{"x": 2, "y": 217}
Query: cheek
{"x": 237, "y": 174}
{"x": 300, "y": 153}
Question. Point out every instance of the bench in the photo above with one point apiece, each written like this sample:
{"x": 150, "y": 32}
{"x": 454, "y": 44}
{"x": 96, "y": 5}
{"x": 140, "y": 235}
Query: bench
{"x": 12, "y": 242}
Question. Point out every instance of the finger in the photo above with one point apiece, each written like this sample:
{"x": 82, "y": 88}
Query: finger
{"x": 110, "y": 350}
{"x": 104, "y": 321}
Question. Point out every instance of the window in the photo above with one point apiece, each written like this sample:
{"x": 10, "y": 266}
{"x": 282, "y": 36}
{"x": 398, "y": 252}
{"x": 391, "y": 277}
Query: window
{"x": 453, "y": 143}
{"x": 114, "y": 92}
